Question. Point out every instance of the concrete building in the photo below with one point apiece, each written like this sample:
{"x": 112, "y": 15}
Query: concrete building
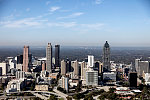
{"x": 20, "y": 75}
{"x": 90, "y": 61}
{"x": 75, "y": 66}
{"x": 92, "y": 77}
{"x": 43, "y": 66}
{"x": 57, "y": 55}
{"x": 146, "y": 76}
{"x": 109, "y": 77}
{"x": 4, "y": 67}
{"x": 63, "y": 67}
{"x": 49, "y": 58}
{"x": 41, "y": 87}
{"x": 26, "y": 59}
{"x": 142, "y": 66}
{"x": 63, "y": 82}
{"x": 106, "y": 57}
{"x": 83, "y": 72}
{"x": 15, "y": 85}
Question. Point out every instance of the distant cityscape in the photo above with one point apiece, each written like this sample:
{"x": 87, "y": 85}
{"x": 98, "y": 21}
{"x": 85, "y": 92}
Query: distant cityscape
{"x": 32, "y": 77}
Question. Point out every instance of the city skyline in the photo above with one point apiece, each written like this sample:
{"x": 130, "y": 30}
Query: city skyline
{"x": 35, "y": 23}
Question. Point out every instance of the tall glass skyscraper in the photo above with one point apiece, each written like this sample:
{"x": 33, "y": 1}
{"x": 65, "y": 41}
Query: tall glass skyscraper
{"x": 106, "y": 57}
{"x": 57, "y": 55}
{"x": 49, "y": 58}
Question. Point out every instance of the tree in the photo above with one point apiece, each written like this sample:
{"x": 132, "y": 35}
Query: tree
{"x": 69, "y": 98}
{"x": 52, "y": 97}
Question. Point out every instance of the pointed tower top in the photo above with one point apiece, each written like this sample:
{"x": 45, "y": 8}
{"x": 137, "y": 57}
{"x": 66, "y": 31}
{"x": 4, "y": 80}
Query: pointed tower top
{"x": 106, "y": 45}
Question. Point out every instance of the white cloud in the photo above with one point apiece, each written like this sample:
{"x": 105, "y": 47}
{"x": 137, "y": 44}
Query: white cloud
{"x": 52, "y": 9}
{"x": 27, "y": 9}
{"x": 48, "y": 2}
{"x": 62, "y": 24}
{"x": 96, "y": 26}
{"x": 72, "y": 15}
{"x": 98, "y": 1}
{"x": 27, "y": 22}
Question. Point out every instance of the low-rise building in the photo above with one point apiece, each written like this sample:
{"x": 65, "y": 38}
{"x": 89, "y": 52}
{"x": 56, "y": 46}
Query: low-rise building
{"x": 15, "y": 85}
{"x": 41, "y": 87}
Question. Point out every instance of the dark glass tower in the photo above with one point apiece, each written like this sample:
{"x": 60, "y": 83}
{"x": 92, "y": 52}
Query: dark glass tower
{"x": 57, "y": 55}
{"x": 106, "y": 57}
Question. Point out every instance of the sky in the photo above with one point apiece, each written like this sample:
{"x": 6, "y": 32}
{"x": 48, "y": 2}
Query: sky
{"x": 75, "y": 22}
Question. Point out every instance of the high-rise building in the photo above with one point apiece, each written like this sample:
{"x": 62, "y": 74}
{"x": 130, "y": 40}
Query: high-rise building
{"x": 68, "y": 65}
{"x": 90, "y": 61}
{"x": 49, "y": 58}
{"x": 106, "y": 57}
{"x": 43, "y": 66}
{"x": 26, "y": 58}
{"x": 63, "y": 82}
{"x": 92, "y": 77}
{"x": 57, "y": 55}
{"x": 142, "y": 66}
{"x": 75, "y": 65}
{"x": 4, "y": 67}
{"x": 63, "y": 67}
{"x": 83, "y": 72}
{"x": 20, "y": 59}
{"x": 133, "y": 79}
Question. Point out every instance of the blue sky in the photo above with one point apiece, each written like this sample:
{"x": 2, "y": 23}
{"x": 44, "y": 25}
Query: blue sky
{"x": 74, "y": 22}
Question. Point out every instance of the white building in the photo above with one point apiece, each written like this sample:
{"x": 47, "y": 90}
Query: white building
{"x": 63, "y": 82}
{"x": 92, "y": 77}
{"x": 90, "y": 61}
{"x": 147, "y": 78}
{"x": 4, "y": 68}
{"x": 20, "y": 74}
{"x": 15, "y": 85}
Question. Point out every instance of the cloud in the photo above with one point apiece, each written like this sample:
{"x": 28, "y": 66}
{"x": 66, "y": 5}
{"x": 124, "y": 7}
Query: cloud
{"x": 98, "y": 1}
{"x": 27, "y": 9}
{"x": 52, "y": 9}
{"x": 62, "y": 24}
{"x": 96, "y": 26}
{"x": 72, "y": 15}
{"x": 48, "y": 2}
{"x": 26, "y": 22}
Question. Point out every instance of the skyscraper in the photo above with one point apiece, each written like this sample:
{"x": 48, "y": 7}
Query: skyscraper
{"x": 63, "y": 67}
{"x": 75, "y": 65}
{"x": 90, "y": 61}
{"x": 106, "y": 57}
{"x": 26, "y": 58}
{"x": 49, "y": 58}
{"x": 57, "y": 52}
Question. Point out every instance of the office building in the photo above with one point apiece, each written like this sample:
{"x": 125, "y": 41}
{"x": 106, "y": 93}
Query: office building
{"x": 26, "y": 59}
{"x": 92, "y": 77}
{"x": 75, "y": 65}
{"x": 109, "y": 77}
{"x": 43, "y": 66}
{"x": 68, "y": 65}
{"x": 90, "y": 61}
{"x": 83, "y": 66}
{"x": 63, "y": 67}
{"x": 106, "y": 57}
{"x": 4, "y": 67}
{"x": 63, "y": 82}
{"x": 57, "y": 55}
{"x": 49, "y": 58}
{"x": 133, "y": 79}
{"x": 142, "y": 66}
{"x": 20, "y": 59}
{"x": 20, "y": 74}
